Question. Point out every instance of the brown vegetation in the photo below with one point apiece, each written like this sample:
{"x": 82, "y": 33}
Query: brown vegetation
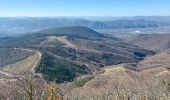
{"x": 156, "y": 42}
{"x": 30, "y": 87}
{"x": 125, "y": 85}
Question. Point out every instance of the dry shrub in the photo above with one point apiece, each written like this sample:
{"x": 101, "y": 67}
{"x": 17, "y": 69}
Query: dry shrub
{"x": 30, "y": 87}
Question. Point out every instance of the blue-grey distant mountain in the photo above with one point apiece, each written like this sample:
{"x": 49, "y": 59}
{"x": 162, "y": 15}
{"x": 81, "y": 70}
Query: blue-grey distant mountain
{"x": 160, "y": 19}
{"x": 29, "y": 24}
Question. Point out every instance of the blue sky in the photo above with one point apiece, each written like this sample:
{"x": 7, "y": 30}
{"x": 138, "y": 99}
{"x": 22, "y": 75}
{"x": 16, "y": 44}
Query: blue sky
{"x": 84, "y": 7}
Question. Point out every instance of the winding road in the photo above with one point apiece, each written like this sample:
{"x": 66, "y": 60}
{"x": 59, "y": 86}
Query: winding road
{"x": 6, "y": 74}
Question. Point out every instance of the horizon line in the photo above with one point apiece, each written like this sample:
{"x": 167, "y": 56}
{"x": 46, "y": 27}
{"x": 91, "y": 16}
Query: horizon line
{"x": 95, "y": 16}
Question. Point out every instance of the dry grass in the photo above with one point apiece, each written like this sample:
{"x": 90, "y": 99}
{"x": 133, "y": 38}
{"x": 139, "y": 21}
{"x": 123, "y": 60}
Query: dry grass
{"x": 118, "y": 84}
{"x": 123, "y": 84}
{"x": 156, "y": 42}
{"x": 62, "y": 39}
{"x": 159, "y": 60}
{"x": 116, "y": 68}
{"x": 30, "y": 87}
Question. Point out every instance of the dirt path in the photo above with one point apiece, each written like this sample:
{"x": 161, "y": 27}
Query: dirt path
{"x": 162, "y": 73}
{"x": 10, "y": 71}
{"x": 5, "y": 73}
{"x": 38, "y": 61}
{"x": 64, "y": 40}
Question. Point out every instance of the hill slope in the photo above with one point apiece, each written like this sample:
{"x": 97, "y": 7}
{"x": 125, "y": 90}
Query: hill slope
{"x": 10, "y": 56}
{"x": 73, "y": 31}
{"x": 156, "y": 42}
{"x": 150, "y": 81}
{"x": 75, "y": 50}
{"x": 126, "y": 84}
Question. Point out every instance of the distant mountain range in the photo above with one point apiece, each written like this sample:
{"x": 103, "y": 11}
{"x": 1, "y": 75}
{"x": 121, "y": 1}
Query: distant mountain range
{"x": 29, "y": 24}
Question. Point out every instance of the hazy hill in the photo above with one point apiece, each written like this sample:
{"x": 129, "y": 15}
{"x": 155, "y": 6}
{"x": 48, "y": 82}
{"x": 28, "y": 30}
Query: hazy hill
{"x": 37, "y": 37}
{"x": 78, "y": 31}
{"x": 29, "y": 24}
{"x": 161, "y": 19}
{"x": 119, "y": 24}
